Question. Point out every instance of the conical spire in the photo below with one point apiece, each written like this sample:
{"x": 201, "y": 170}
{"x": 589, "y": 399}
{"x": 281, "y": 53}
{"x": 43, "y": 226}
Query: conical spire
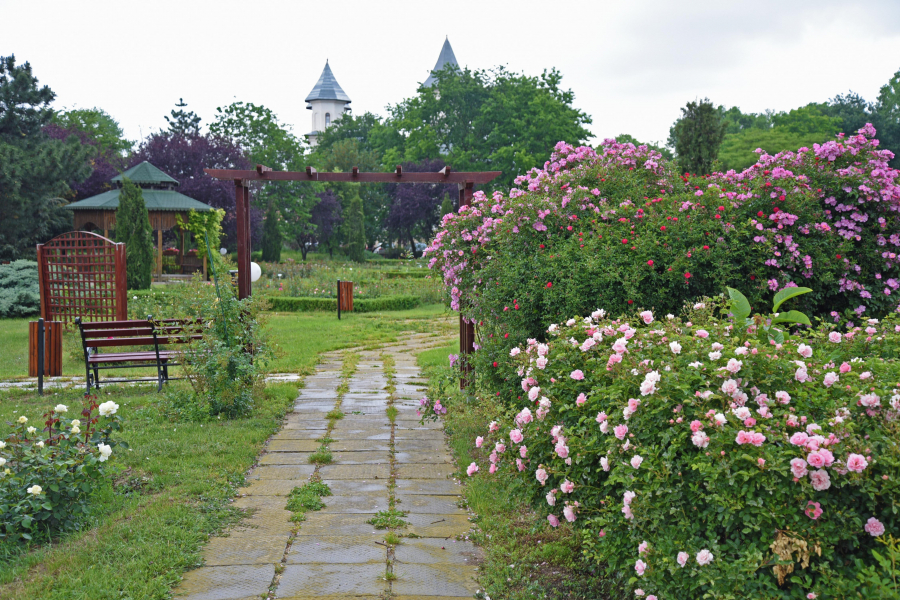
{"x": 327, "y": 87}
{"x": 446, "y": 57}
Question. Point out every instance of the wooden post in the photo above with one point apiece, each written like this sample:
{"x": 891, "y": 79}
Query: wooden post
{"x": 242, "y": 204}
{"x": 52, "y": 341}
{"x": 159, "y": 250}
{"x": 121, "y": 283}
{"x": 466, "y": 330}
{"x": 43, "y": 282}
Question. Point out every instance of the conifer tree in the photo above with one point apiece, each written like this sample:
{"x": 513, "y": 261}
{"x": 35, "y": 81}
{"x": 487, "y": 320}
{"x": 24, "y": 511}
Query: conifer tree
{"x": 446, "y": 205}
{"x": 272, "y": 237}
{"x": 133, "y": 228}
{"x": 356, "y": 228}
{"x": 696, "y": 137}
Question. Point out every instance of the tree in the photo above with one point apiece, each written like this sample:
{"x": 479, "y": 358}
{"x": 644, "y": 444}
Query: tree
{"x": 446, "y": 205}
{"x": 324, "y": 225}
{"x": 98, "y": 126}
{"x": 488, "y": 120}
{"x": 183, "y": 122}
{"x": 133, "y": 228}
{"x": 35, "y": 170}
{"x": 356, "y": 232}
{"x": 184, "y": 157}
{"x": 696, "y": 136}
{"x": 887, "y": 109}
{"x": 272, "y": 236}
{"x": 415, "y": 207}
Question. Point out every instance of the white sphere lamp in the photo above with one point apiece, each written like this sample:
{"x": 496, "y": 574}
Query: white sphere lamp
{"x": 255, "y": 272}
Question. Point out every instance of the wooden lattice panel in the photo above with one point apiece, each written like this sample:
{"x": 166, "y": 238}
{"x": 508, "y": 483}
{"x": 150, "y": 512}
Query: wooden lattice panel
{"x": 82, "y": 275}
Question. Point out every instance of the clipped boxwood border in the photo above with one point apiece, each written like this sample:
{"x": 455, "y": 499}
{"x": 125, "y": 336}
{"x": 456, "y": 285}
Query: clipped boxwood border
{"x": 286, "y": 304}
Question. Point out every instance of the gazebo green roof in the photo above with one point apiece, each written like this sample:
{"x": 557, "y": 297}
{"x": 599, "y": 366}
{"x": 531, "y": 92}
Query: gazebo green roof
{"x": 155, "y": 200}
{"x": 145, "y": 173}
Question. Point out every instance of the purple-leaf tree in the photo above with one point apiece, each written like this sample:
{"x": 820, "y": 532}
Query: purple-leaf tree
{"x": 105, "y": 163}
{"x": 184, "y": 156}
{"x": 415, "y": 208}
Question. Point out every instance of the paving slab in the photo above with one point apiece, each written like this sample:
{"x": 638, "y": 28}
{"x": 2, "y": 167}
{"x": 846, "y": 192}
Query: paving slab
{"x": 293, "y": 446}
{"x": 423, "y": 458}
{"x": 424, "y": 504}
{"x": 362, "y": 503}
{"x": 359, "y": 446}
{"x": 356, "y": 487}
{"x": 321, "y": 523}
{"x": 418, "y": 445}
{"x": 357, "y": 458}
{"x": 292, "y": 472}
{"x": 432, "y": 487}
{"x": 314, "y": 579}
{"x": 428, "y": 551}
{"x": 270, "y": 487}
{"x": 345, "y": 549}
{"x": 300, "y": 434}
{"x": 245, "y": 550}
{"x": 226, "y": 582}
{"x": 424, "y": 471}
{"x": 437, "y": 526}
{"x": 381, "y": 471}
{"x": 285, "y": 458}
{"x": 440, "y": 579}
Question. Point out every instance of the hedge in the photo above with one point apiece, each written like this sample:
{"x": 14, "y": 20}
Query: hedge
{"x": 420, "y": 274}
{"x": 284, "y": 304}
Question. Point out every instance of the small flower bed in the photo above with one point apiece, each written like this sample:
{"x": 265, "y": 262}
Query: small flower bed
{"x": 700, "y": 461}
{"x": 48, "y": 473}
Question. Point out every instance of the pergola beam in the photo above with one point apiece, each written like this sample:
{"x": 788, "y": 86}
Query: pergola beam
{"x": 398, "y": 176}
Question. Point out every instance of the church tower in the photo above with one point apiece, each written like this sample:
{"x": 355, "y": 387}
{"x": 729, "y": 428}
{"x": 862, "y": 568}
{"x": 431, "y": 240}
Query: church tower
{"x": 446, "y": 58}
{"x": 327, "y": 101}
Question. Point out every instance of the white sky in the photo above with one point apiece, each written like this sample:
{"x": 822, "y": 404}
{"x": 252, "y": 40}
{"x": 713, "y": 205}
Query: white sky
{"x": 632, "y": 65}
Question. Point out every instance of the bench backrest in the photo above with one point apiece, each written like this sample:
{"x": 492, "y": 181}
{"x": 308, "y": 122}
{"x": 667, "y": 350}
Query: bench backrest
{"x": 139, "y": 332}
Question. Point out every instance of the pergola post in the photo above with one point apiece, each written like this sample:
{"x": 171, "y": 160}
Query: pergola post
{"x": 242, "y": 206}
{"x": 466, "y": 330}
{"x": 159, "y": 255}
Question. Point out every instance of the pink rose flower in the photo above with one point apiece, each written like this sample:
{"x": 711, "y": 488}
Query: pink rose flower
{"x": 743, "y": 437}
{"x": 554, "y": 522}
{"x": 580, "y": 400}
{"x": 523, "y": 451}
{"x": 804, "y": 351}
{"x": 540, "y": 474}
{"x": 696, "y": 426}
{"x": 830, "y": 379}
{"x": 520, "y": 465}
{"x": 642, "y": 547}
{"x": 682, "y": 558}
{"x": 813, "y": 510}
{"x": 516, "y": 436}
{"x": 704, "y": 557}
{"x": 562, "y": 450}
{"x": 798, "y": 467}
{"x": 577, "y": 375}
{"x": 620, "y": 431}
{"x": 472, "y": 469}
{"x": 799, "y": 439}
{"x": 857, "y": 463}
{"x": 834, "y": 337}
{"x": 493, "y": 468}
{"x": 636, "y": 461}
{"x": 551, "y": 497}
{"x": 569, "y": 514}
{"x": 640, "y": 566}
{"x": 874, "y": 527}
{"x": 701, "y": 333}
{"x": 815, "y": 459}
{"x": 845, "y": 367}
{"x": 601, "y": 416}
{"x": 479, "y": 441}
{"x": 820, "y": 480}
{"x": 567, "y": 487}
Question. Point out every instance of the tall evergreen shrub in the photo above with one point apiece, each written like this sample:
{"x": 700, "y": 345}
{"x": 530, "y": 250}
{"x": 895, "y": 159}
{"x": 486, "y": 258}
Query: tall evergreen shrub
{"x": 356, "y": 232}
{"x": 272, "y": 237}
{"x": 133, "y": 228}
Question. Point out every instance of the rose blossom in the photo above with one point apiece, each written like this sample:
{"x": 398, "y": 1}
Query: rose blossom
{"x": 799, "y": 439}
{"x": 636, "y": 461}
{"x": 733, "y": 365}
{"x": 874, "y": 527}
{"x": 700, "y": 439}
{"x": 567, "y": 487}
{"x": 516, "y": 436}
{"x": 577, "y": 375}
{"x": 562, "y": 450}
{"x": 479, "y": 441}
{"x": 581, "y": 399}
{"x": 813, "y": 510}
{"x": 647, "y": 317}
{"x": 830, "y": 379}
{"x": 640, "y": 566}
{"x": 834, "y": 337}
{"x": 472, "y": 469}
{"x": 798, "y": 467}
{"x": 604, "y": 462}
{"x": 620, "y": 431}
{"x": 704, "y": 557}
{"x": 675, "y": 347}
{"x": 551, "y": 497}
{"x": 523, "y": 451}
{"x": 870, "y": 400}
{"x": 820, "y": 480}
{"x": 857, "y": 463}
{"x": 554, "y": 521}
{"x": 701, "y": 333}
{"x": 696, "y": 426}
{"x": 601, "y": 416}
{"x": 540, "y": 474}
{"x": 804, "y": 350}
{"x": 682, "y": 558}
{"x": 569, "y": 514}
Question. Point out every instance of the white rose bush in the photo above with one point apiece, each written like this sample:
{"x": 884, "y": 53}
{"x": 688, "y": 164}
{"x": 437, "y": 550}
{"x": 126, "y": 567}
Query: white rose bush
{"x": 49, "y": 473}
{"x": 699, "y": 460}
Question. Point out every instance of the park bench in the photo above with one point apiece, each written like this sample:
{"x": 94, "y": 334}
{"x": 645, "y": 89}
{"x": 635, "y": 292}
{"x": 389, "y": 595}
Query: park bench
{"x": 152, "y": 338}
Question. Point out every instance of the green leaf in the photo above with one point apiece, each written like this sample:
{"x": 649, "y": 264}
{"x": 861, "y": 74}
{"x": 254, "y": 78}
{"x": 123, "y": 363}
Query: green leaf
{"x": 786, "y": 294}
{"x": 793, "y": 316}
{"x": 740, "y": 306}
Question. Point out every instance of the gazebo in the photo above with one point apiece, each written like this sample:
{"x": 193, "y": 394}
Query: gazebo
{"x": 163, "y": 203}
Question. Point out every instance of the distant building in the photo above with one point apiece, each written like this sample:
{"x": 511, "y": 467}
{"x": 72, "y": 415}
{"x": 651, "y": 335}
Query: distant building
{"x": 328, "y": 101}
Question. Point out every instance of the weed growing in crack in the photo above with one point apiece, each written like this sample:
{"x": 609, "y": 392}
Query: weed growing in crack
{"x": 307, "y": 497}
{"x": 322, "y": 456}
{"x": 388, "y": 519}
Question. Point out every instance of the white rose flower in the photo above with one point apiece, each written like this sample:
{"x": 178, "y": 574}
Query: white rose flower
{"x": 23, "y": 419}
{"x": 2, "y": 461}
{"x": 40, "y": 444}
{"x": 670, "y": 316}
{"x": 675, "y": 347}
{"x": 105, "y": 451}
{"x": 35, "y": 490}
{"x": 61, "y": 408}
{"x": 2, "y": 445}
{"x": 699, "y": 306}
{"x": 695, "y": 365}
{"x": 720, "y": 419}
{"x": 76, "y": 423}
{"x": 31, "y": 430}
{"x": 715, "y": 355}
{"x": 108, "y": 408}
{"x": 76, "y": 429}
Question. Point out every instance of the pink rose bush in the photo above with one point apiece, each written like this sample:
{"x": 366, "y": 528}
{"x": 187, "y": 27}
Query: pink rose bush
{"x": 691, "y": 481}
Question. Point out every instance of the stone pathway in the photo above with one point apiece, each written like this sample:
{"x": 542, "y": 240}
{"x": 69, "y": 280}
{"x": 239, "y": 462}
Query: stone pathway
{"x": 376, "y": 464}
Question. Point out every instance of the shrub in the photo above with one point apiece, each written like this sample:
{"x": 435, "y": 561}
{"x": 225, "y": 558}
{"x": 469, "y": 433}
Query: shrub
{"x": 285, "y": 304}
{"x": 133, "y": 228}
{"x": 620, "y": 227}
{"x": 701, "y": 462}
{"x": 47, "y": 475}
{"x": 20, "y": 294}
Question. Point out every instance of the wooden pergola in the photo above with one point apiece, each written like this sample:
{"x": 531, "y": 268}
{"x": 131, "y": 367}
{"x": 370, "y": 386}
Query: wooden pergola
{"x": 465, "y": 181}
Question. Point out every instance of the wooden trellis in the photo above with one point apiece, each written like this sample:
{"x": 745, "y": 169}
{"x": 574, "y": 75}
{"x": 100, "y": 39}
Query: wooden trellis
{"x": 82, "y": 274}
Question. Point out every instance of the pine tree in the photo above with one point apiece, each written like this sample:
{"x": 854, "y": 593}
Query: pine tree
{"x": 183, "y": 122}
{"x": 446, "y": 205}
{"x": 272, "y": 237}
{"x": 356, "y": 228}
{"x": 133, "y": 228}
{"x": 696, "y": 137}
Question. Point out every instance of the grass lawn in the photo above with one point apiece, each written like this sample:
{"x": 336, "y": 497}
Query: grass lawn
{"x": 302, "y": 336}
{"x": 170, "y": 492}
{"x": 522, "y": 561}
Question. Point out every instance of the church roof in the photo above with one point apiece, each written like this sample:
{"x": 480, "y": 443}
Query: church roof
{"x": 446, "y": 57}
{"x": 327, "y": 88}
{"x": 145, "y": 173}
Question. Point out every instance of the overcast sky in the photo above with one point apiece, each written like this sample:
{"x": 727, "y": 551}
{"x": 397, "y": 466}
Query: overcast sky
{"x": 631, "y": 64}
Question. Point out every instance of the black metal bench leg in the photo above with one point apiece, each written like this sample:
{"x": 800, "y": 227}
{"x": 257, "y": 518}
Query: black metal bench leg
{"x": 96, "y": 378}
{"x": 87, "y": 381}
